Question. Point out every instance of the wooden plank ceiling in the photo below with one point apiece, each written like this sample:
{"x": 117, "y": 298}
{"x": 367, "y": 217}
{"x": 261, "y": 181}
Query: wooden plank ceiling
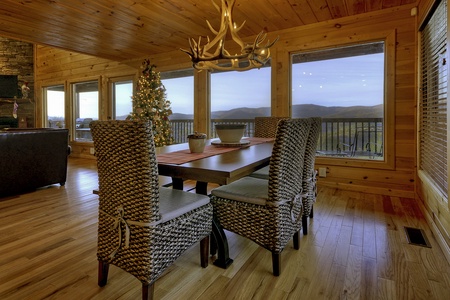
{"x": 129, "y": 29}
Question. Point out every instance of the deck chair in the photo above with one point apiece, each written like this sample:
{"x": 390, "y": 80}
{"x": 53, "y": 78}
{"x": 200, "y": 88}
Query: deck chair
{"x": 269, "y": 212}
{"x": 142, "y": 228}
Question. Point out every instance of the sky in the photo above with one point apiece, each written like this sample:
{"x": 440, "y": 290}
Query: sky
{"x": 356, "y": 80}
{"x": 351, "y": 81}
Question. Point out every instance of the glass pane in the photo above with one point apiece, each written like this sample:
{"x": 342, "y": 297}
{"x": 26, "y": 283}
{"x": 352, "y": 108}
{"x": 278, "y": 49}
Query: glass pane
{"x": 122, "y": 93}
{"x": 239, "y": 97}
{"x": 85, "y": 95}
{"x": 344, "y": 86}
{"x": 180, "y": 92}
{"x": 54, "y": 103}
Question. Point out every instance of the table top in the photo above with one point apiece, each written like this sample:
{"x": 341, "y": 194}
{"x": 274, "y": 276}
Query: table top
{"x": 222, "y": 168}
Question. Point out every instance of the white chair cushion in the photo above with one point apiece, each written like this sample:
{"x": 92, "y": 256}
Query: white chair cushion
{"x": 247, "y": 189}
{"x": 174, "y": 203}
{"x": 262, "y": 173}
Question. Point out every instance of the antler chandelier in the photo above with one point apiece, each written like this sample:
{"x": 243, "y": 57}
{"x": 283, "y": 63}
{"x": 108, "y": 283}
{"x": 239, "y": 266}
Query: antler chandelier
{"x": 252, "y": 55}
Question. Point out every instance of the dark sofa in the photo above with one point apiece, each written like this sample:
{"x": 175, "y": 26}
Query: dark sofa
{"x": 32, "y": 158}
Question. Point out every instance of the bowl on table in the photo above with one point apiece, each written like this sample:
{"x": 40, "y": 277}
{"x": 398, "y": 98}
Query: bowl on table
{"x": 230, "y": 133}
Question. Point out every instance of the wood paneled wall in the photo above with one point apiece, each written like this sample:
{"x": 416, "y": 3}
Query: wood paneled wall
{"x": 59, "y": 67}
{"x": 398, "y": 178}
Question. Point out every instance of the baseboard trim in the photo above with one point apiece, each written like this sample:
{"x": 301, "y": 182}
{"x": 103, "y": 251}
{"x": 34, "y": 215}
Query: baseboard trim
{"x": 434, "y": 227}
{"x": 368, "y": 189}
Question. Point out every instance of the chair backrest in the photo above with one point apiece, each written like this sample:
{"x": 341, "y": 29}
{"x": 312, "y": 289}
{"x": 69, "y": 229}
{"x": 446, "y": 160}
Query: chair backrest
{"x": 127, "y": 169}
{"x": 311, "y": 147}
{"x": 286, "y": 162}
{"x": 266, "y": 127}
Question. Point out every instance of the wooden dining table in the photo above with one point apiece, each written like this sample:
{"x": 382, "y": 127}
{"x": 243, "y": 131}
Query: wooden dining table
{"x": 218, "y": 164}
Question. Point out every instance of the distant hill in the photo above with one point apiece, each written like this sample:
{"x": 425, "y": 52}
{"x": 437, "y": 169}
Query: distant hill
{"x": 298, "y": 111}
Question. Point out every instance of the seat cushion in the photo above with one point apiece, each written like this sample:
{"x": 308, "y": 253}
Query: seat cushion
{"x": 247, "y": 189}
{"x": 174, "y": 203}
{"x": 262, "y": 173}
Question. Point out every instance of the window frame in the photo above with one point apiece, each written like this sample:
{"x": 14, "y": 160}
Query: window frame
{"x": 389, "y": 39}
{"x": 111, "y": 84}
{"x": 73, "y": 106}
{"x": 249, "y": 131}
{"x": 43, "y": 89}
{"x": 181, "y": 130}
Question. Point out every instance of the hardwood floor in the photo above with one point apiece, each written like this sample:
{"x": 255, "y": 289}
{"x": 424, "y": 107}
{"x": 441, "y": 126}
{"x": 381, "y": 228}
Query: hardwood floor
{"x": 356, "y": 249}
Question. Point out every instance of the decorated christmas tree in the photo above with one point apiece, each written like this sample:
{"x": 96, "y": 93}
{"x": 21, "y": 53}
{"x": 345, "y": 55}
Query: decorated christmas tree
{"x": 150, "y": 104}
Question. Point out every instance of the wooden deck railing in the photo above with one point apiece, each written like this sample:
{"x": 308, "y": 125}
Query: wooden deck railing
{"x": 346, "y": 137}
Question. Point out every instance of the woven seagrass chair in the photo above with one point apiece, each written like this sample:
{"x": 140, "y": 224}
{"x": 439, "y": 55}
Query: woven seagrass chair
{"x": 142, "y": 228}
{"x": 266, "y": 127}
{"x": 309, "y": 173}
{"x": 269, "y": 212}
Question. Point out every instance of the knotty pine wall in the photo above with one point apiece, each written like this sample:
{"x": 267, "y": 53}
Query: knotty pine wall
{"x": 396, "y": 178}
{"x": 58, "y": 67}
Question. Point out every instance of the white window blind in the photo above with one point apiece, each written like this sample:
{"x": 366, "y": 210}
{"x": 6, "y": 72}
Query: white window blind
{"x": 433, "y": 102}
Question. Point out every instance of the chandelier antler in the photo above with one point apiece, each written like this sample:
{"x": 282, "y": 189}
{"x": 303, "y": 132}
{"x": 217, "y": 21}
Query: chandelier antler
{"x": 214, "y": 56}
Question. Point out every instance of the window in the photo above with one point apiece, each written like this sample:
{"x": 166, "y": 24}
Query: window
{"x": 180, "y": 92}
{"x": 344, "y": 86}
{"x": 433, "y": 100}
{"x": 122, "y": 92}
{"x": 86, "y": 108}
{"x": 54, "y": 106}
{"x": 240, "y": 97}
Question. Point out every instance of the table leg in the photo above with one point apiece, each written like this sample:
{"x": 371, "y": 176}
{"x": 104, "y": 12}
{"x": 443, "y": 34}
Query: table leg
{"x": 177, "y": 183}
{"x": 223, "y": 256}
{"x": 219, "y": 240}
{"x": 201, "y": 188}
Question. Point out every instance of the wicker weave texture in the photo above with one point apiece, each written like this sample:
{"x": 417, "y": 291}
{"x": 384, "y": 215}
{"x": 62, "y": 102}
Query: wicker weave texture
{"x": 129, "y": 197}
{"x": 273, "y": 225}
{"x": 309, "y": 177}
{"x": 266, "y": 127}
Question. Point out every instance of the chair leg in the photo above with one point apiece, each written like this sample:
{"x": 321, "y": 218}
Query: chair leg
{"x": 147, "y": 291}
{"x": 305, "y": 224}
{"x": 297, "y": 240}
{"x": 276, "y": 263}
{"x": 103, "y": 269}
{"x": 311, "y": 214}
{"x": 204, "y": 251}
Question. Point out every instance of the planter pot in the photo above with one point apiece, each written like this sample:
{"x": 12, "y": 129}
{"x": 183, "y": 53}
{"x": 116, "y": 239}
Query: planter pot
{"x": 197, "y": 142}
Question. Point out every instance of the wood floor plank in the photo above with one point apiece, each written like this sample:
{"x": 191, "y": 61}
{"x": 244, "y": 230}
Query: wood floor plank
{"x": 369, "y": 247}
{"x": 353, "y": 274}
{"x": 386, "y": 289}
{"x": 356, "y": 248}
{"x": 369, "y": 278}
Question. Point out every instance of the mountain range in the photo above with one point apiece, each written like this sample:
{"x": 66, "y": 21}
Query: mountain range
{"x": 298, "y": 111}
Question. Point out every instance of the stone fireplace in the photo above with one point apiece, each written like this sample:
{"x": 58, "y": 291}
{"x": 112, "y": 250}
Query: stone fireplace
{"x": 17, "y": 58}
